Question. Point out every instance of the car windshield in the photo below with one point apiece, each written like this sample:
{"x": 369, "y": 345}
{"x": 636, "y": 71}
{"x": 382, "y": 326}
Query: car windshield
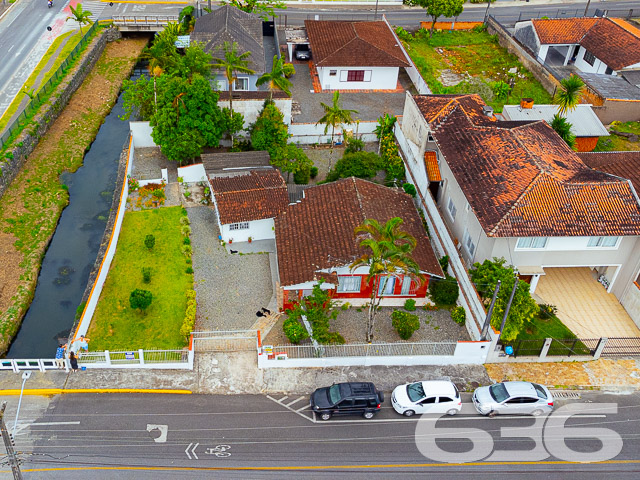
{"x": 302, "y": 48}
{"x": 498, "y": 392}
{"x": 415, "y": 391}
{"x": 540, "y": 391}
{"x": 334, "y": 394}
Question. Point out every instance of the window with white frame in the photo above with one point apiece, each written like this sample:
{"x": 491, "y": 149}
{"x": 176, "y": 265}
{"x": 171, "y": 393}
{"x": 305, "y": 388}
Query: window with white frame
{"x": 387, "y": 285}
{"x": 408, "y": 286}
{"x": 239, "y": 226}
{"x": 348, "y": 283}
{"x": 468, "y": 244}
{"x": 532, "y": 242}
{"x": 451, "y": 208}
{"x": 602, "y": 242}
{"x": 241, "y": 84}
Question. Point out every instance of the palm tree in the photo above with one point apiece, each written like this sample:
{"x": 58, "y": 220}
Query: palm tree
{"x": 389, "y": 257}
{"x": 276, "y": 78}
{"x": 563, "y": 128}
{"x": 232, "y": 63}
{"x": 568, "y": 96}
{"x": 79, "y": 15}
{"x": 334, "y": 115}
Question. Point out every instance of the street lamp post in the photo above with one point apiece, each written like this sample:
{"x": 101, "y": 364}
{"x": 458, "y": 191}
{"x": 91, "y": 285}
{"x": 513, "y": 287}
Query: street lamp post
{"x": 25, "y": 377}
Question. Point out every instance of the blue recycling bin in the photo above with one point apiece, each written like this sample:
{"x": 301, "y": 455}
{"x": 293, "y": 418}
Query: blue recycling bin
{"x": 508, "y": 350}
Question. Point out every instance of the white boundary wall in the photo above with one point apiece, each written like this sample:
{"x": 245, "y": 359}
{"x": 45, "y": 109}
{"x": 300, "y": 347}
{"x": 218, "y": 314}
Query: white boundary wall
{"x": 310, "y": 133}
{"x": 193, "y": 173}
{"x": 141, "y": 133}
{"x": 465, "y": 353}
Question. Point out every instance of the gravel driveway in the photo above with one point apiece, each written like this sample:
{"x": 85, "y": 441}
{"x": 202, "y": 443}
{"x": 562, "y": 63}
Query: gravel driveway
{"x": 229, "y": 288}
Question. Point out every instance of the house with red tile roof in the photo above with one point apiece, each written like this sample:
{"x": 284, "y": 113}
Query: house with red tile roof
{"x": 355, "y": 55}
{"x": 514, "y": 189}
{"x": 315, "y": 241}
{"x": 593, "y": 45}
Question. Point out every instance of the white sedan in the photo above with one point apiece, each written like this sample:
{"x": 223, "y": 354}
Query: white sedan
{"x": 433, "y": 396}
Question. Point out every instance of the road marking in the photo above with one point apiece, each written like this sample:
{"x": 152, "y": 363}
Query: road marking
{"x": 415, "y": 418}
{"x": 163, "y": 432}
{"x": 192, "y": 450}
{"x": 328, "y": 467}
{"x": 303, "y": 408}
{"x": 296, "y": 400}
{"x": 58, "y": 391}
{"x": 282, "y": 399}
{"x": 22, "y": 426}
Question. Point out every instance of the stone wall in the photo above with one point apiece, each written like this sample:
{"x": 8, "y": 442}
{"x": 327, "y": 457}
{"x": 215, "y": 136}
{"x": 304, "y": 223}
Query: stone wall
{"x": 548, "y": 81}
{"x": 30, "y": 136}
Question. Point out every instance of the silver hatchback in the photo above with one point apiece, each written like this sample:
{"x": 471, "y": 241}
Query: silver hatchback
{"x": 513, "y": 398}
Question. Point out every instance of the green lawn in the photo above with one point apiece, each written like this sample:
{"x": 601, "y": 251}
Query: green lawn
{"x": 548, "y": 328}
{"x": 115, "y": 325}
{"x": 477, "y": 54}
{"x": 615, "y": 143}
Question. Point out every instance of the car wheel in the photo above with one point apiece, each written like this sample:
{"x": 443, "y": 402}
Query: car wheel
{"x": 537, "y": 412}
{"x": 409, "y": 413}
{"x": 368, "y": 415}
{"x": 453, "y": 411}
{"x": 325, "y": 416}
{"x": 492, "y": 414}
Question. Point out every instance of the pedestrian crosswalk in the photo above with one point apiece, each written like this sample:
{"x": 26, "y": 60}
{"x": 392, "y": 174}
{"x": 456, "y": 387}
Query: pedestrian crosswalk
{"x": 95, "y": 7}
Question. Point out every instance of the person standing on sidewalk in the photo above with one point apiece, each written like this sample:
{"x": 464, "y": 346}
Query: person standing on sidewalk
{"x": 74, "y": 362}
{"x": 60, "y": 356}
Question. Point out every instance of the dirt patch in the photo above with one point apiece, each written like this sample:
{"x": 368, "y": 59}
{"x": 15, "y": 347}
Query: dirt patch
{"x": 31, "y": 206}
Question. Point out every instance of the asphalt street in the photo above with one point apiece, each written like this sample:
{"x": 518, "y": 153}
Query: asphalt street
{"x": 249, "y": 436}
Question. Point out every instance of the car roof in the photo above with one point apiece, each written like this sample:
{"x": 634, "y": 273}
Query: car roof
{"x": 359, "y": 388}
{"x": 438, "y": 387}
{"x": 520, "y": 388}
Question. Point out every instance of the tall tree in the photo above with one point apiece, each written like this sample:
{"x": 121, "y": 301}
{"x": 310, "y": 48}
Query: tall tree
{"x": 335, "y": 115}
{"x": 187, "y": 19}
{"x": 388, "y": 256}
{"x": 563, "y": 128}
{"x": 79, "y": 15}
{"x": 232, "y": 63}
{"x": 263, "y": 8}
{"x": 568, "y": 95}
{"x": 270, "y": 133}
{"x": 523, "y": 308}
{"x": 438, "y": 8}
{"x": 276, "y": 78}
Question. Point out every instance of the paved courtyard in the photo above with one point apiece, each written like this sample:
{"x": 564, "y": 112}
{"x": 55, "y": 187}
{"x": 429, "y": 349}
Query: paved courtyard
{"x": 230, "y": 289}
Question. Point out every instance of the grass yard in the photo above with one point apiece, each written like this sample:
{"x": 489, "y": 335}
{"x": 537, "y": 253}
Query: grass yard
{"x": 115, "y": 325}
{"x": 616, "y": 143}
{"x": 477, "y": 57}
{"x": 547, "y": 328}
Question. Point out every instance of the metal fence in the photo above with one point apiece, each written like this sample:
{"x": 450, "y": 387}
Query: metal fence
{"x": 18, "y": 124}
{"x": 365, "y": 350}
{"x": 621, "y": 346}
{"x": 559, "y": 347}
{"x": 225, "y": 341}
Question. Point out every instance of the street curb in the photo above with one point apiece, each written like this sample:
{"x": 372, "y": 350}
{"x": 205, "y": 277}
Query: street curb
{"x": 58, "y": 391}
{"x": 4, "y": 14}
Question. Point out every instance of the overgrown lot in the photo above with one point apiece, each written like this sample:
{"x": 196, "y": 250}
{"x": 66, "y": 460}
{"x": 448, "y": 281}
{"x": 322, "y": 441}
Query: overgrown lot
{"x": 115, "y": 325}
{"x": 475, "y": 60}
{"x": 619, "y": 143}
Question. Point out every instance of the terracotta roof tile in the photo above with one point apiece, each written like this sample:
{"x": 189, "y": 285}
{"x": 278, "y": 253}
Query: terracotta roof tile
{"x": 354, "y": 44}
{"x": 621, "y": 164}
{"x": 521, "y": 178}
{"x": 431, "y": 164}
{"x": 253, "y": 195}
{"x": 318, "y": 232}
{"x": 614, "y": 41}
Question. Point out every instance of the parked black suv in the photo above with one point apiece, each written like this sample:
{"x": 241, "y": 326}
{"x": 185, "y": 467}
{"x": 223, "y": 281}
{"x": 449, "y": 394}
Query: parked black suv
{"x": 353, "y": 398}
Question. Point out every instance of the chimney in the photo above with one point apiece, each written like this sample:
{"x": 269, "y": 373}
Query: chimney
{"x": 526, "y": 103}
{"x": 487, "y": 110}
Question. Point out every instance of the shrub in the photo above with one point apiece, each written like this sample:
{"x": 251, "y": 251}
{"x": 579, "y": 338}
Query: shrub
{"x": 345, "y": 306}
{"x": 444, "y": 263}
{"x": 188, "y": 260}
{"x": 410, "y": 305}
{"x": 501, "y": 90}
{"x": 547, "y": 311}
{"x": 186, "y": 241}
{"x": 313, "y": 172}
{"x": 189, "y": 314}
{"x": 149, "y": 241}
{"x": 444, "y": 292}
{"x": 403, "y": 34}
{"x": 79, "y": 310}
{"x": 294, "y": 331}
{"x": 458, "y": 315}
{"x": 187, "y": 194}
{"x": 186, "y": 250}
{"x": 158, "y": 193}
{"x": 289, "y": 70}
{"x": 409, "y": 189}
{"x": 189, "y": 270}
{"x": 140, "y": 299}
{"x": 319, "y": 310}
{"x": 184, "y": 220}
{"x": 146, "y": 274}
{"x": 354, "y": 145}
{"x": 301, "y": 176}
{"x": 186, "y": 230}
{"x": 358, "y": 164}
{"x": 405, "y": 323}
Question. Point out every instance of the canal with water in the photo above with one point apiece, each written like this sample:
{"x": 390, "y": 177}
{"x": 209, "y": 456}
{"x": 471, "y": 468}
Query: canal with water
{"x": 74, "y": 246}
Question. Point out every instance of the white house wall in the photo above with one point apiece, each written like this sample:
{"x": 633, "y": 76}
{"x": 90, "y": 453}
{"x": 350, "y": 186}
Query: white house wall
{"x": 598, "y": 65}
{"x": 381, "y": 78}
{"x": 141, "y": 133}
{"x": 258, "y": 230}
{"x": 193, "y": 173}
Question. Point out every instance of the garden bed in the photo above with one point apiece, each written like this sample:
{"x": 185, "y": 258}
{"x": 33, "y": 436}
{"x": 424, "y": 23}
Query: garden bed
{"x": 435, "y": 326}
{"x": 115, "y": 325}
{"x": 471, "y": 62}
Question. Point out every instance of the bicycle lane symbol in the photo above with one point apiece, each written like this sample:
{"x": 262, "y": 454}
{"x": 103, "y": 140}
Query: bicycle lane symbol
{"x": 219, "y": 451}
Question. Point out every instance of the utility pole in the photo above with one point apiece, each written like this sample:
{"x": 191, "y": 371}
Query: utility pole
{"x": 506, "y": 312}
{"x": 586, "y": 8}
{"x": 8, "y": 444}
{"x": 487, "y": 321}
